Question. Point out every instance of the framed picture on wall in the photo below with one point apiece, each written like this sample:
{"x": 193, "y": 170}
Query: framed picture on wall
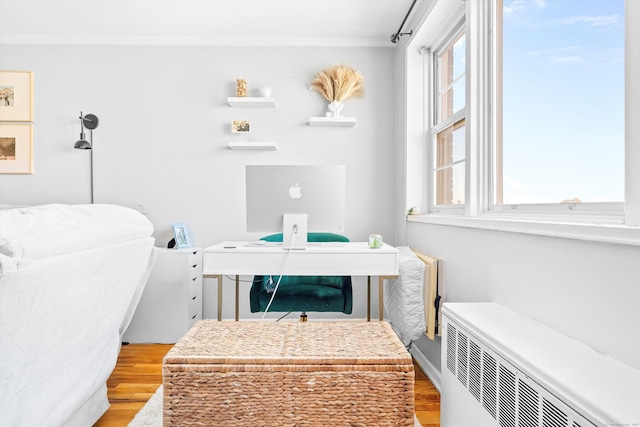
{"x": 240, "y": 126}
{"x": 181, "y": 234}
{"x": 16, "y": 96}
{"x": 16, "y": 148}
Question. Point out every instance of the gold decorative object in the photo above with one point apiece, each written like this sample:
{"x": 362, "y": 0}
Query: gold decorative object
{"x": 241, "y": 87}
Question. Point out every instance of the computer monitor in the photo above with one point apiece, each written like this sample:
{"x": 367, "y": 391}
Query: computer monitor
{"x": 294, "y": 199}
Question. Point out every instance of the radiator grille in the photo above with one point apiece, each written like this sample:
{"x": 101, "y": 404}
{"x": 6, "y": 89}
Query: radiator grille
{"x": 463, "y": 344}
{"x": 489, "y": 384}
{"x": 475, "y": 370}
{"x": 506, "y": 394}
{"x": 451, "y": 348}
{"x": 552, "y": 416}
{"x": 507, "y": 397}
{"x": 528, "y": 404}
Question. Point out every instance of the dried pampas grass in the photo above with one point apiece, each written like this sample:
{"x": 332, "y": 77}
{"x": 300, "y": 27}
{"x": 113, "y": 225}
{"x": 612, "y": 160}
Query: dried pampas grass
{"x": 338, "y": 83}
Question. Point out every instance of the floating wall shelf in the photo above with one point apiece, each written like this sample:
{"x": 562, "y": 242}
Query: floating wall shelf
{"x": 244, "y": 145}
{"x": 251, "y": 102}
{"x": 332, "y": 121}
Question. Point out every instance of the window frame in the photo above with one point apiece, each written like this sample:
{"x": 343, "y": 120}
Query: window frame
{"x": 601, "y": 222}
{"x": 449, "y": 41}
{"x": 436, "y": 126}
{"x": 437, "y": 169}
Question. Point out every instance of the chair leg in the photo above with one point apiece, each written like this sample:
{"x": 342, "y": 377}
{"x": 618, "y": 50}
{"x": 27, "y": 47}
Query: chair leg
{"x": 303, "y": 317}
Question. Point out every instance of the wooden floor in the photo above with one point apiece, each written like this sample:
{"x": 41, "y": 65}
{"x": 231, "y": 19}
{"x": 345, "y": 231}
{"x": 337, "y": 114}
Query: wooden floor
{"x": 139, "y": 373}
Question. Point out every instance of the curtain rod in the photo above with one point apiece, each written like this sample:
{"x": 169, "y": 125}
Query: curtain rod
{"x": 395, "y": 38}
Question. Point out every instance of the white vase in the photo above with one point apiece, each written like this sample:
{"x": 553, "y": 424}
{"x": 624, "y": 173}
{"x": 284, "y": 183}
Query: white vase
{"x": 335, "y": 109}
{"x": 265, "y": 91}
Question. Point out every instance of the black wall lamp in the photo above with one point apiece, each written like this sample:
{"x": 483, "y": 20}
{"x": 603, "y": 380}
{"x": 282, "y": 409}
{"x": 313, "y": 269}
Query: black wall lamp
{"x": 89, "y": 121}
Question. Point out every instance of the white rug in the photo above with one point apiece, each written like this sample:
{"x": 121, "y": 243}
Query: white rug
{"x": 151, "y": 414}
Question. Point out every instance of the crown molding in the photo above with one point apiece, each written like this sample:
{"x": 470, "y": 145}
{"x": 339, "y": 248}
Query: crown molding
{"x": 28, "y": 39}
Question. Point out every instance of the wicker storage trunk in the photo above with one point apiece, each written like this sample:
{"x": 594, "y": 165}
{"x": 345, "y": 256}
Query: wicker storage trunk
{"x": 288, "y": 374}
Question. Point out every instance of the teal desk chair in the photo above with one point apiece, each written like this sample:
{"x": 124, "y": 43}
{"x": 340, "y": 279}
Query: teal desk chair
{"x": 304, "y": 293}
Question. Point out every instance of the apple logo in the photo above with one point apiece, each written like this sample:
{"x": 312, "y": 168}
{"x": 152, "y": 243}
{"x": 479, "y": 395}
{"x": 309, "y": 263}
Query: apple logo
{"x": 295, "y": 192}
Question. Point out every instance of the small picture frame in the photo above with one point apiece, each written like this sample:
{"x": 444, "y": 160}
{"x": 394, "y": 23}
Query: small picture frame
{"x": 16, "y": 148}
{"x": 16, "y": 96}
{"x": 181, "y": 235}
{"x": 240, "y": 126}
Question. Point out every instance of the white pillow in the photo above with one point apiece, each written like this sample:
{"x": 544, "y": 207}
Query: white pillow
{"x": 48, "y": 230}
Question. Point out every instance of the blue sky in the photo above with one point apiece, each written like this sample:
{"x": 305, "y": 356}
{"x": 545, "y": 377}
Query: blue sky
{"x": 563, "y": 100}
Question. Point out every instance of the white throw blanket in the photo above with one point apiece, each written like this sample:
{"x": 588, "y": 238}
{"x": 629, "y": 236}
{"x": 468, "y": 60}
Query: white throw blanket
{"x": 404, "y": 297}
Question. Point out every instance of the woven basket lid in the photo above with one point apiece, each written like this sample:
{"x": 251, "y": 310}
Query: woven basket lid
{"x": 289, "y": 343}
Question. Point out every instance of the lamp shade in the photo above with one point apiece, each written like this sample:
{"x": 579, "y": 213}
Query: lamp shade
{"x": 82, "y": 144}
{"x": 89, "y": 121}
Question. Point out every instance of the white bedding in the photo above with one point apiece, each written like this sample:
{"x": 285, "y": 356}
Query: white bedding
{"x": 62, "y": 315}
{"x": 48, "y": 230}
{"x": 404, "y": 297}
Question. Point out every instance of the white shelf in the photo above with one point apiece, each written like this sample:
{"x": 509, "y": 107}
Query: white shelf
{"x": 244, "y": 145}
{"x": 332, "y": 121}
{"x": 251, "y": 102}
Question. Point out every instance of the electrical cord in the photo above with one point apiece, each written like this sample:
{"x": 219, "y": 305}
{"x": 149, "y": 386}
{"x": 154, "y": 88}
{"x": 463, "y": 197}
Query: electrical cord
{"x": 273, "y": 295}
{"x": 284, "y": 266}
{"x": 283, "y": 316}
{"x": 270, "y": 286}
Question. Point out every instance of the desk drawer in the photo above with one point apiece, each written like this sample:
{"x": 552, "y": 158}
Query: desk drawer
{"x": 194, "y": 286}
{"x": 195, "y": 306}
{"x": 172, "y": 300}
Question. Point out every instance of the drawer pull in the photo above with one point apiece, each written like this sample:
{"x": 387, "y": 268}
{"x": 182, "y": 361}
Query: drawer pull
{"x": 194, "y": 265}
{"x": 194, "y": 279}
{"x": 194, "y": 298}
{"x": 194, "y": 316}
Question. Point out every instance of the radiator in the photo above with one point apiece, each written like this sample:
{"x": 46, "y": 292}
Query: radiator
{"x": 501, "y": 369}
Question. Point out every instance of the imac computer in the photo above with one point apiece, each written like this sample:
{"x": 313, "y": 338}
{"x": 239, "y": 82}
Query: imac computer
{"x": 295, "y": 199}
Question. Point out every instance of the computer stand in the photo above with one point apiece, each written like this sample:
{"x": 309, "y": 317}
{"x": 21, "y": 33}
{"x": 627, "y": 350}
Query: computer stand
{"x": 294, "y": 231}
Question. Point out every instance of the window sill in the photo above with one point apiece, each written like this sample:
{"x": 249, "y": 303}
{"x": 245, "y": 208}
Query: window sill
{"x": 605, "y": 233}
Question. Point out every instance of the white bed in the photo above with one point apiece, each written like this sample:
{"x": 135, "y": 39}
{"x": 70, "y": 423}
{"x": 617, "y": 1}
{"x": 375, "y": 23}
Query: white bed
{"x": 71, "y": 277}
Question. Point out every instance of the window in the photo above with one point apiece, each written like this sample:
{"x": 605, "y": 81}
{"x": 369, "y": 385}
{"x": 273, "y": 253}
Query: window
{"x": 561, "y": 98}
{"x": 534, "y": 129}
{"x": 448, "y": 132}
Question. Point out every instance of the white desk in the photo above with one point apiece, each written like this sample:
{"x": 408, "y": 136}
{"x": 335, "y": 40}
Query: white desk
{"x": 344, "y": 259}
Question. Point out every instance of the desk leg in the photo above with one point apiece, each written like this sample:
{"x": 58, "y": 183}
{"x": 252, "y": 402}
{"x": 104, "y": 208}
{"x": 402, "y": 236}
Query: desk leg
{"x": 237, "y": 295}
{"x": 381, "y": 298}
{"x": 368, "y": 298}
{"x": 219, "y": 277}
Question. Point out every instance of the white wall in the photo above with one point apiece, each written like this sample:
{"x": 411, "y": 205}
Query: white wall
{"x": 586, "y": 290}
{"x": 164, "y": 129}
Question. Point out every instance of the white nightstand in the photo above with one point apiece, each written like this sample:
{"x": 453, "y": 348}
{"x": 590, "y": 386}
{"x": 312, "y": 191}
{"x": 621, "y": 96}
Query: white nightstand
{"x": 172, "y": 299}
